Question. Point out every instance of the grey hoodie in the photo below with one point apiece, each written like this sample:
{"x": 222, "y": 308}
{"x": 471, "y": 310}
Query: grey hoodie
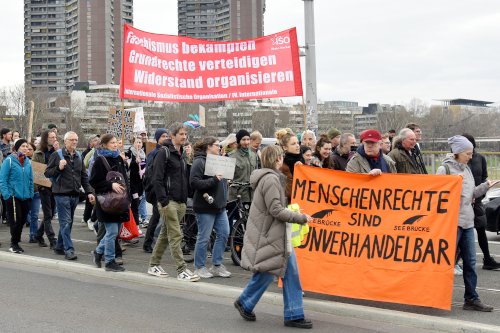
{"x": 469, "y": 190}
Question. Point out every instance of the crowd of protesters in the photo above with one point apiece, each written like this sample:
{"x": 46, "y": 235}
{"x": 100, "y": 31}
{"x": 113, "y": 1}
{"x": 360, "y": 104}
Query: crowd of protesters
{"x": 175, "y": 173}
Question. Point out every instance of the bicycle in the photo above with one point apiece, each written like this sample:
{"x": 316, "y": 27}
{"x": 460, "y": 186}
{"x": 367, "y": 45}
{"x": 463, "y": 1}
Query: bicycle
{"x": 237, "y": 234}
{"x": 190, "y": 232}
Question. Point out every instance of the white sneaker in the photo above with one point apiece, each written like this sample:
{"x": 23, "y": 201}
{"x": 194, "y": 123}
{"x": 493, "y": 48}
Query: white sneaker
{"x": 90, "y": 225}
{"x": 458, "y": 270}
{"x": 141, "y": 234}
{"x": 157, "y": 271}
{"x": 188, "y": 276}
{"x": 203, "y": 273}
{"x": 220, "y": 271}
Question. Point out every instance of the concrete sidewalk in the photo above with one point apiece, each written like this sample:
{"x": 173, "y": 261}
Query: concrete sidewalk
{"x": 339, "y": 309}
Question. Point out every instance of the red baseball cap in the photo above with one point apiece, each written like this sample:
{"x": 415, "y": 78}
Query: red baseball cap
{"x": 370, "y": 135}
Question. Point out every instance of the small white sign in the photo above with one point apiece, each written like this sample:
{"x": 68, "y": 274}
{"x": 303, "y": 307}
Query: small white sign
{"x": 220, "y": 165}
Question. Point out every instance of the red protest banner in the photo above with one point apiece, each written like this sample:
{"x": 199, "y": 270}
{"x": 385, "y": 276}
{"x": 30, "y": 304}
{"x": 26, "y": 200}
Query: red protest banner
{"x": 181, "y": 69}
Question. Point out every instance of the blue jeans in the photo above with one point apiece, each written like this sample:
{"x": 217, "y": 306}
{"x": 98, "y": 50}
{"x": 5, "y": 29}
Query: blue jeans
{"x": 66, "y": 206}
{"x": 33, "y": 215}
{"x": 292, "y": 290}
{"x": 207, "y": 222}
{"x": 467, "y": 248}
{"x": 143, "y": 211}
{"x": 107, "y": 243}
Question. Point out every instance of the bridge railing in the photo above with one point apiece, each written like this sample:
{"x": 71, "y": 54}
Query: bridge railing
{"x": 434, "y": 159}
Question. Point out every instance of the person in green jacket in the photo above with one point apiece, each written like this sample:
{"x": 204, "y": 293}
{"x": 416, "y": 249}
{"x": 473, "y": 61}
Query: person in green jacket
{"x": 246, "y": 162}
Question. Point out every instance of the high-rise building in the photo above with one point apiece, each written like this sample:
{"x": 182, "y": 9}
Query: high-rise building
{"x": 66, "y": 41}
{"x": 221, "y": 20}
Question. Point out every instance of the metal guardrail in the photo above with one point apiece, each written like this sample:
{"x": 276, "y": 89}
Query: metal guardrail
{"x": 433, "y": 160}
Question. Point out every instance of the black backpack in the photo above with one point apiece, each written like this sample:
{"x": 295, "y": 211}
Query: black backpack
{"x": 147, "y": 181}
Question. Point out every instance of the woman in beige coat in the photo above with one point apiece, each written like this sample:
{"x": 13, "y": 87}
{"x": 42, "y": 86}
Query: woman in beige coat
{"x": 267, "y": 249}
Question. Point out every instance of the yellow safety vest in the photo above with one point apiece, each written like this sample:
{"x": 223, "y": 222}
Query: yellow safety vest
{"x": 299, "y": 231}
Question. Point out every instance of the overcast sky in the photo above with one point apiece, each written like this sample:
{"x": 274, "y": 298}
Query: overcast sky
{"x": 385, "y": 51}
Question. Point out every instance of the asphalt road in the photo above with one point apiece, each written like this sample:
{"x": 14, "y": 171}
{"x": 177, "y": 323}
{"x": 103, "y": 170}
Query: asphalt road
{"x": 36, "y": 299}
{"x": 136, "y": 260}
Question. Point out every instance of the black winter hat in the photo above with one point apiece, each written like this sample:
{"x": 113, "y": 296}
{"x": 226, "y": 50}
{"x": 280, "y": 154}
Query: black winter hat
{"x": 241, "y": 134}
{"x": 18, "y": 144}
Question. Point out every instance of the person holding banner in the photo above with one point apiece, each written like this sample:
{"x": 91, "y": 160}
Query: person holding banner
{"x": 209, "y": 204}
{"x": 16, "y": 185}
{"x": 369, "y": 157}
{"x": 456, "y": 164}
{"x": 290, "y": 145}
{"x": 267, "y": 246}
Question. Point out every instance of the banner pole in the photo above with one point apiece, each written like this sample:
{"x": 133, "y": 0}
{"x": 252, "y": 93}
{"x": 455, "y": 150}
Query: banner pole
{"x": 305, "y": 113}
{"x": 123, "y": 121}
{"x": 30, "y": 120}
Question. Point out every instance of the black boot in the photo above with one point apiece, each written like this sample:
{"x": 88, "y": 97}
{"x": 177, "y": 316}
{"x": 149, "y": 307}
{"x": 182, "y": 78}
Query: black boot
{"x": 490, "y": 264}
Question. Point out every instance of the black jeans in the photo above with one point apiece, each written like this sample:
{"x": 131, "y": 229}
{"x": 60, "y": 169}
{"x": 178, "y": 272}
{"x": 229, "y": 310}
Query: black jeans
{"x": 135, "y": 209}
{"x": 16, "y": 216}
{"x": 153, "y": 222}
{"x": 48, "y": 204}
{"x": 87, "y": 213}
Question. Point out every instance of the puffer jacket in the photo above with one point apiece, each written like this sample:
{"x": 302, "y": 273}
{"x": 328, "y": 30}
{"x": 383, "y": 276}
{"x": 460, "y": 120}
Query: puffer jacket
{"x": 469, "y": 190}
{"x": 267, "y": 241}
{"x": 15, "y": 179}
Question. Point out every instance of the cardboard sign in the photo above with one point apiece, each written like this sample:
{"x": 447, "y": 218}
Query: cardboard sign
{"x": 122, "y": 126}
{"x": 38, "y": 174}
{"x": 389, "y": 238}
{"x": 150, "y": 146}
{"x": 220, "y": 165}
{"x": 159, "y": 67}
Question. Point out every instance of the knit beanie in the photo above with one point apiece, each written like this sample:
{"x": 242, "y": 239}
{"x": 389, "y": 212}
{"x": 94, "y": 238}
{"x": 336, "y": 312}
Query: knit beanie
{"x": 459, "y": 144}
{"x": 241, "y": 134}
{"x": 18, "y": 144}
{"x": 333, "y": 133}
{"x": 159, "y": 132}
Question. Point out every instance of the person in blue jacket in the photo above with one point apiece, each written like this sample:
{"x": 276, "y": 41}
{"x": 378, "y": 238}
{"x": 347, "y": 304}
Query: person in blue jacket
{"x": 16, "y": 185}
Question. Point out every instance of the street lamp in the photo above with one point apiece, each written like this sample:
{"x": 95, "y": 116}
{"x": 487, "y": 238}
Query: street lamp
{"x": 310, "y": 49}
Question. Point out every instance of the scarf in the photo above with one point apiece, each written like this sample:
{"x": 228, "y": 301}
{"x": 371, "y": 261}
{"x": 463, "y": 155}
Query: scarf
{"x": 246, "y": 151}
{"x": 20, "y": 156}
{"x": 138, "y": 153}
{"x": 108, "y": 153}
{"x": 290, "y": 160}
{"x": 377, "y": 162}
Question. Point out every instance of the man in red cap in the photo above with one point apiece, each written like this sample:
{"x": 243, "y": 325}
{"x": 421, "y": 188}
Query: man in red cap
{"x": 369, "y": 158}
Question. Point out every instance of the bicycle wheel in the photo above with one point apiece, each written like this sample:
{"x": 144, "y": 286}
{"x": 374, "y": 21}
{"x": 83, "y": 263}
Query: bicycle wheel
{"x": 189, "y": 232}
{"x": 236, "y": 243}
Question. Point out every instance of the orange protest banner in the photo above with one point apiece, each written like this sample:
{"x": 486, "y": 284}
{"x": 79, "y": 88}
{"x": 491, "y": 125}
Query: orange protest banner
{"x": 389, "y": 238}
